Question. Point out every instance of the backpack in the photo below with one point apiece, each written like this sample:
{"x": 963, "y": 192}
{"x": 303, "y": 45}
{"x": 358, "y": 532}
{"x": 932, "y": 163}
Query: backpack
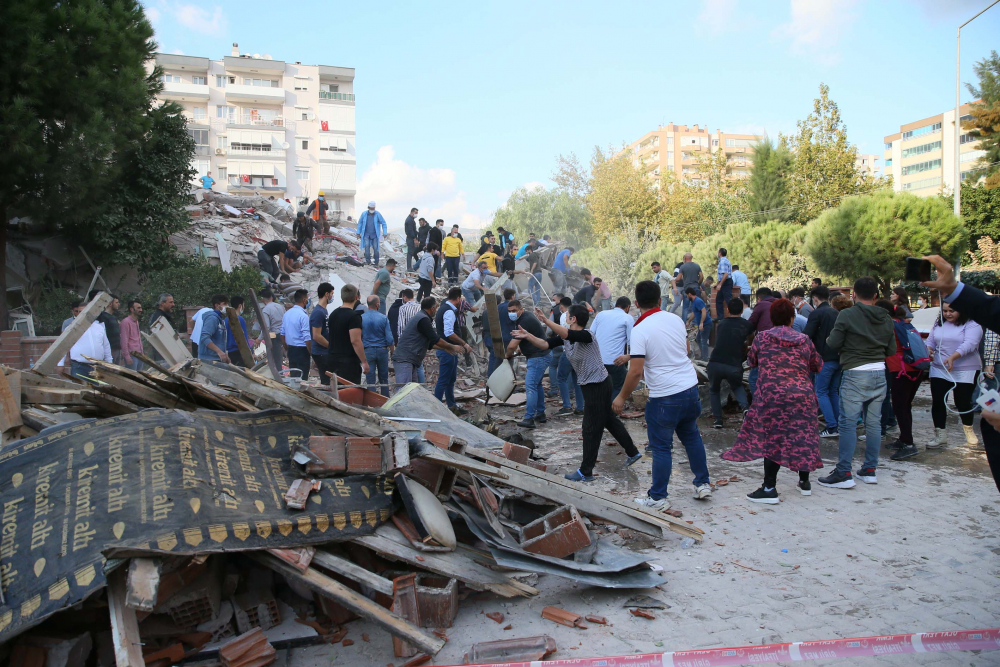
{"x": 914, "y": 349}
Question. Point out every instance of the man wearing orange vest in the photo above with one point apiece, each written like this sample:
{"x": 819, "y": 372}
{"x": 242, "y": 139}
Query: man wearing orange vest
{"x": 317, "y": 210}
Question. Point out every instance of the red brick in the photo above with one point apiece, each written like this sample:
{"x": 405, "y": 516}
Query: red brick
{"x": 538, "y": 466}
{"x": 439, "y": 439}
{"x": 557, "y": 534}
{"x": 437, "y": 600}
{"x": 516, "y": 453}
{"x": 333, "y": 451}
{"x": 364, "y": 455}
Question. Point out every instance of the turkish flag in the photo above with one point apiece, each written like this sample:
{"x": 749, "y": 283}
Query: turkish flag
{"x": 246, "y": 178}
{"x": 325, "y": 125}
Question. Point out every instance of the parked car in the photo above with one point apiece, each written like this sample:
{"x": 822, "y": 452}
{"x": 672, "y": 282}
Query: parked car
{"x": 923, "y": 319}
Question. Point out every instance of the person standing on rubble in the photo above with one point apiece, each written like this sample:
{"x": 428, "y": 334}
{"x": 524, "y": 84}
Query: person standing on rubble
{"x": 537, "y": 361}
{"x": 487, "y": 246}
{"x": 111, "y": 326}
{"x": 93, "y": 344}
{"x": 425, "y": 271}
{"x": 383, "y": 283}
{"x": 295, "y": 329}
{"x": 416, "y": 337}
{"x": 505, "y": 324}
{"x": 378, "y": 343}
{"x": 446, "y": 324}
{"x": 131, "y": 341}
{"x": 659, "y": 349}
{"x": 436, "y": 237}
{"x": 212, "y": 343}
{"x": 410, "y": 229}
{"x": 207, "y": 181}
{"x": 317, "y": 210}
{"x": 406, "y": 312}
{"x": 423, "y": 231}
{"x": 505, "y": 238}
{"x": 164, "y": 306}
{"x": 612, "y": 329}
{"x": 347, "y": 351}
{"x": 273, "y": 313}
{"x": 232, "y": 347}
{"x": 371, "y": 229}
{"x": 452, "y": 248}
{"x": 303, "y": 231}
{"x": 319, "y": 332}
{"x": 583, "y": 352}
{"x": 472, "y": 286}
{"x": 405, "y": 296}
{"x": 560, "y": 267}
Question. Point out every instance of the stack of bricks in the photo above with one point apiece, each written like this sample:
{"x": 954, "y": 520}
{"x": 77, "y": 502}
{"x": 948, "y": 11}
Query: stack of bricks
{"x": 557, "y": 534}
{"x": 248, "y": 650}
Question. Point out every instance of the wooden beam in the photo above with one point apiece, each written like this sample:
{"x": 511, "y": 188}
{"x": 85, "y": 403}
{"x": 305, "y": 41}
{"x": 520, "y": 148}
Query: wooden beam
{"x": 249, "y": 383}
{"x": 10, "y": 401}
{"x": 138, "y": 391}
{"x": 53, "y": 396}
{"x": 241, "y": 340}
{"x": 143, "y": 583}
{"x": 124, "y": 626}
{"x": 359, "y": 604}
{"x": 270, "y": 344}
{"x": 67, "y": 339}
{"x": 346, "y": 568}
{"x": 458, "y": 461}
{"x": 167, "y": 342}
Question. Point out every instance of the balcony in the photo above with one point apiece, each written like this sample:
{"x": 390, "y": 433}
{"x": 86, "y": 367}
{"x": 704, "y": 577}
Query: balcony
{"x": 248, "y": 120}
{"x": 736, "y": 149}
{"x": 184, "y": 92}
{"x": 325, "y": 96}
{"x": 693, "y": 148}
{"x": 201, "y": 149}
{"x": 236, "y": 92}
{"x": 273, "y": 154}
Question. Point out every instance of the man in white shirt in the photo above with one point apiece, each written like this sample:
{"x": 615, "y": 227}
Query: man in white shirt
{"x": 612, "y": 330}
{"x": 94, "y": 344}
{"x": 659, "y": 349}
{"x": 665, "y": 281}
{"x": 196, "y": 330}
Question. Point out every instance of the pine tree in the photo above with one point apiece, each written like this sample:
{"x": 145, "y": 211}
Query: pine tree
{"x": 768, "y": 183}
{"x": 985, "y": 123}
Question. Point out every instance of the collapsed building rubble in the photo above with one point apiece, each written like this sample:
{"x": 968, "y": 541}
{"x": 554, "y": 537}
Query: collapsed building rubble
{"x": 199, "y": 510}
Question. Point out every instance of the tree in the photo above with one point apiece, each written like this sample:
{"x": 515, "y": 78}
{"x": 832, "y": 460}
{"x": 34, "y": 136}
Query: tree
{"x": 980, "y": 210}
{"x": 874, "y": 234}
{"x": 570, "y": 177}
{"x": 544, "y": 212}
{"x": 621, "y": 190}
{"x": 768, "y": 184}
{"x": 617, "y": 260}
{"x": 985, "y": 123}
{"x": 824, "y": 166}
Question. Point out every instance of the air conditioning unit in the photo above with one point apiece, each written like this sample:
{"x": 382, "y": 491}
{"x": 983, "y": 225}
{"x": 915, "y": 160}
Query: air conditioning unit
{"x": 311, "y": 116}
{"x": 219, "y": 151}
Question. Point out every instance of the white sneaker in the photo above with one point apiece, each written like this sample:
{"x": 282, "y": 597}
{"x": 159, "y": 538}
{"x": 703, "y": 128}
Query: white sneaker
{"x": 862, "y": 437}
{"x": 649, "y": 503}
{"x": 703, "y": 492}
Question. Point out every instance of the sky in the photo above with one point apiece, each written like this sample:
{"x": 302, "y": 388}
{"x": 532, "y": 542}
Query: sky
{"x": 459, "y": 104}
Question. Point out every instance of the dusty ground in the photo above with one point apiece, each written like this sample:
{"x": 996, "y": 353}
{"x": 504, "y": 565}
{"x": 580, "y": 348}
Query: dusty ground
{"x": 919, "y": 551}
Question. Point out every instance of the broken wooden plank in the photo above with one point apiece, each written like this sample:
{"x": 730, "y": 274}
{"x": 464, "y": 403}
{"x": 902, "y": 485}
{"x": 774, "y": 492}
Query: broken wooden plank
{"x": 270, "y": 344}
{"x": 53, "y": 396}
{"x": 359, "y": 604}
{"x": 124, "y": 626}
{"x": 167, "y": 342}
{"x": 588, "y": 501}
{"x": 390, "y": 543}
{"x": 142, "y": 583}
{"x": 10, "y": 401}
{"x": 346, "y": 568}
{"x": 331, "y": 401}
{"x": 459, "y": 461}
{"x": 67, "y": 339}
{"x": 259, "y": 387}
{"x": 137, "y": 392}
{"x": 31, "y": 379}
{"x": 241, "y": 340}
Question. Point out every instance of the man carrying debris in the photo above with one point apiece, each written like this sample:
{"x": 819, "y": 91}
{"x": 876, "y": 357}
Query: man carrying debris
{"x": 317, "y": 210}
{"x": 131, "y": 341}
{"x": 659, "y": 350}
{"x": 537, "y": 360}
{"x": 584, "y": 353}
{"x": 410, "y": 229}
{"x": 164, "y": 306}
{"x": 416, "y": 337}
{"x": 295, "y": 329}
{"x": 266, "y": 254}
{"x": 319, "y": 331}
{"x": 371, "y": 229}
{"x": 383, "y": 283}
{"x": 347, "y": 352}
{"x": 212, "y": 343}
{"x": 302, "y": 229}
{"x": 232, "y": 346}
{"x": 472, "y": 287}
{"x": 378, "y": 343}
{"x": 560, "y": 267}
{"x": 425, "y": 272}
{"x": 446, "y": 323}
{"x": 698, "y": 320}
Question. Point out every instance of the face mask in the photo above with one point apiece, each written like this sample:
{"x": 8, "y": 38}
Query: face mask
{"x": 322, "y": 198}
{"x": 512, "y": 316}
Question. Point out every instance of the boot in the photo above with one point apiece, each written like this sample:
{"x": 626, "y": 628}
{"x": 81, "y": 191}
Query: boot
{"x": 970, "y": 435}
{"x": 940, "y": 439}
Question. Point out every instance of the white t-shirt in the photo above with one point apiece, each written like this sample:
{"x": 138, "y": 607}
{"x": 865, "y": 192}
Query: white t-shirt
{"x": 661, "y": 340}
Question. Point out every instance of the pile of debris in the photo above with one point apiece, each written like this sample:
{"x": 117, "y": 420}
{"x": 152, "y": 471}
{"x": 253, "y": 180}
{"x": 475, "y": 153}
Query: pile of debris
{"x": 209, "y": 511}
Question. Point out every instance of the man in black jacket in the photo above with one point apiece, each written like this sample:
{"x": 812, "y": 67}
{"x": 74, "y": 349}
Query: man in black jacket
{"x": 827, "y": 382}
{"x": 404, "y": 296}
{"x": 410, "y": 228}
{"x": 726, "y": 362}
{"x": 985, "y": 311}
{"x": 423, "y": 231}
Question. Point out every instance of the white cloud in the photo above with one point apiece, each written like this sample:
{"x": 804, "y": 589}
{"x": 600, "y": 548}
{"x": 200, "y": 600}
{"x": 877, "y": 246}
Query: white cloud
{"x": 397, "y": 186}
{"x": 178, "y": 52}
{"x": 198, "y": 19}
{"x": 817, "y": 26}
{"x": 153, "y": 14}
{"x": 717, "y": 16}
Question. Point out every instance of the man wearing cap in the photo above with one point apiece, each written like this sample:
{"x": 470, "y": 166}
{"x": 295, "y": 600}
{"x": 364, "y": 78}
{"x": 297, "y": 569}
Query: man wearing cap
{"x": 371, "y": 229}
{"x": 317, "y": 209}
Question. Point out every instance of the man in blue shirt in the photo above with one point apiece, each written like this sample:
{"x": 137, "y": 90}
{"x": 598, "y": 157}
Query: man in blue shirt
{"x": 207, "y": 181}
{"x": 524, "y": 249}
{"x": 371, "y": 229}
{"x": 232, "y": 347}
{"x": 295, "y": 328}
{"x": 700, "y": 318}
{"x": 320, "y": 332}
{"x": 740, "y": 280}
{"x": 376, "y": 336}
{"x": 724, "y": 277}
{"x": 212, "y": 342}
{"x": 560, "y": 267}
{"x": 612, "y": 330}
{"x": 505, "y": 238}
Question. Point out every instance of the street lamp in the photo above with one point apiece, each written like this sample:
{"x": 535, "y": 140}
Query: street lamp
{"x": 958, "y": 103}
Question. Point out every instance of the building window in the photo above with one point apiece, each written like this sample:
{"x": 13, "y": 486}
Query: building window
{"x": 922, "y": 184}
{"x": 264, "y": 83}
{"x": 738, "y": 143}
{"x": 304, "y": 144}
{"x": 222, "y": 141}
{"x": 926, "y": 129}
{"x": 220, "y": 80}
{"x": 199, "y": 80}
{"x": 968, "y": 139}
{"x": 888, "y": 162}
{"x": 199, "y": 113}
{"x": 229, "y": 113}
{"x": 170, "y": 78}
{"x": 670, "y": 157}
{"x": 715, "y": 143}
{"x": 223, "y": 174}
{"x": 330, "y": 87}
{"x": 921, "y": 166}
{"x": 300, "y": 86}
{"x": 972, "y": 155}
{"x": 670, "y": 142}
{"x": 888, "y": 145}
{"x": 656, "y": 142}
{"x": 302, "y": 174}
{"x": 921, "y": 149}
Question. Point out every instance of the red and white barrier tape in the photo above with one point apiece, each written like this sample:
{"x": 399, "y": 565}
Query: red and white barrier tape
{"x": 921, "y": 642}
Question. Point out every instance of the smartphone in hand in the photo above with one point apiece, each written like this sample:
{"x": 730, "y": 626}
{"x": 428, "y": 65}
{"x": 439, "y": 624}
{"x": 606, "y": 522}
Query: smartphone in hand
{"x": 917, "y": 269}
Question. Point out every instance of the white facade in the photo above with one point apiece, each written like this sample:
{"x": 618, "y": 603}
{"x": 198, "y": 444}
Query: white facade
{"x": 268, "y": 126}
{"x": 867, "y": 163}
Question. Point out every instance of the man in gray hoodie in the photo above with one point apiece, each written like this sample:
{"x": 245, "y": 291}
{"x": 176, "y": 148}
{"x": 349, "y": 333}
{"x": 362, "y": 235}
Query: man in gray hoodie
{"x": 864, "y": 337}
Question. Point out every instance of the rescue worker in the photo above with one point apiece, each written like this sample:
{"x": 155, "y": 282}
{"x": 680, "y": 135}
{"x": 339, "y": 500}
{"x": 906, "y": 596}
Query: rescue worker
{"x": 317, "y": 210}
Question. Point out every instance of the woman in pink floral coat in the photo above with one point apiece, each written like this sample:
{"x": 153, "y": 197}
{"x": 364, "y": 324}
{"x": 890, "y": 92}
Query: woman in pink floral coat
{"x": 781, "y": 426}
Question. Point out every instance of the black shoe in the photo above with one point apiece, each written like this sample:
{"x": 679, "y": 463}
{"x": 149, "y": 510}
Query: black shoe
{"x": 578, "y": 412}
{"x": 458, "y": 411}
{"x": 897, "y": 444}
{"x": 562, "y": 412}
{"x": 526, "y": 423}
{"x": 762, "y": 495}
{"x": 837, "y": 480}
{"x": 541, "y": 419}
{"x": 904, "y": 452}
{"x": 867, "y": 475}
{"x": 805, "y": 488}
{"x": 717, "y": 424}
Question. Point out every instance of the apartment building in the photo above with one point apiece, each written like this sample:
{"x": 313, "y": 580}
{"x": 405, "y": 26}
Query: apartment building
{"x": 867, "y": 163}
{"x": 676, "y": 148}
{"x": 921, "y": 156}
{"x": 268, "y": 126}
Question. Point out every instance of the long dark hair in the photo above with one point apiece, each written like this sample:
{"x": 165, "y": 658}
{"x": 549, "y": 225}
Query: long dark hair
{"x": 962, "y": 317}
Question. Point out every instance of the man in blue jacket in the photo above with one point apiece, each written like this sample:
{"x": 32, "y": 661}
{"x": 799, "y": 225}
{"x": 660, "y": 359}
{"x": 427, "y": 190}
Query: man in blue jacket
{"x": 371, "y": 229}
{"x": 232, "y": 347}
{"x": 212, "y": 343}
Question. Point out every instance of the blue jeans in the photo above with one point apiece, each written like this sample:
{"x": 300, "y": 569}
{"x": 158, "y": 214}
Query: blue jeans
{"x": 472, "y": 296}
{"x": 752, "y": 380}
{"x": 663, "y": 302}
{"x": 445, "y": 388}
{"x": 558, "y": 279}
{"x": 557, "y": 354}
{"x": 451, "y": 263}
{"x": 722, "y": 297}
{"x": 535, "y": 287}
{"x": 438, "y": 267}
{"x": 860, "y": 390}
{"x": 535, "y": 406}
{"x": 135, "y": 364}
{"x": 371, "y": 243}
{"x": 405, "y": 373}
{"x": 679, "y": 301}
{"x": 685, "y": 307}
{"x": 677, "y": 412}
{"x": 378, "y": 360}
{"x": 828, "y": 392}
{"x": 79, "y": 369}
{"x": 703, "y": 336}
{"x": 567, "y": 378}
